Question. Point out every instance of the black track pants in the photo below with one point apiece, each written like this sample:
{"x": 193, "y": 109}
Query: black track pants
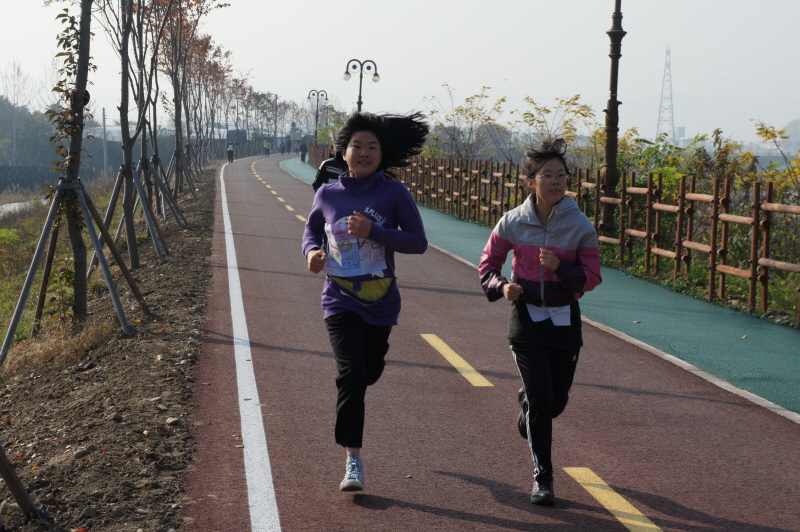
{"x": 547, "y": 375}
{"x": 359, "y": 349}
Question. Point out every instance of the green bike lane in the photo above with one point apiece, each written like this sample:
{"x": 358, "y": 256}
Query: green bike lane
{"x": 718, "y": 344}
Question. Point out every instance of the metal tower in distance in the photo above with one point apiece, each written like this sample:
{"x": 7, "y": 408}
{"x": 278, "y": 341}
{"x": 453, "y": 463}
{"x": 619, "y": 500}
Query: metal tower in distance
{"x": 666, "y": 122}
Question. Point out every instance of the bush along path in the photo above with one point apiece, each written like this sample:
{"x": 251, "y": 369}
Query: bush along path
{"x": 101, "y": 443}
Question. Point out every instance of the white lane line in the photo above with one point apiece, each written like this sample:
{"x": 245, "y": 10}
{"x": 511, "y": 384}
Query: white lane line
{"x": 260, "y": 489}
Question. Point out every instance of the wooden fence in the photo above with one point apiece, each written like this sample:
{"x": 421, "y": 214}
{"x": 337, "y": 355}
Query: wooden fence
{"x": 482, "y": 191}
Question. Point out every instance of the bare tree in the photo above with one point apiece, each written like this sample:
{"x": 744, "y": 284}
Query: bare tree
{"x": 17, "y": 88}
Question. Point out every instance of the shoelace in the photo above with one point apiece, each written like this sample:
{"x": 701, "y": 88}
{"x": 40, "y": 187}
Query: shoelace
{"x": 353, "y": 468}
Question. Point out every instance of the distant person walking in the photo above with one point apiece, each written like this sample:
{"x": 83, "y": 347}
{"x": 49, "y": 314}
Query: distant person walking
{"x": 283, "y": 147}
{"x": 303, "y": 150}
{"x": 555, "y": 261}
{"x": 328, "y": 169}
{"x": 230, "y": 151}
{"x": 267, "y": 146}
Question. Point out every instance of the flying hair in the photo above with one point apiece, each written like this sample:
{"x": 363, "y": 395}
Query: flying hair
{"x": 400, "y": 136}
{"x": 537, "y": 157}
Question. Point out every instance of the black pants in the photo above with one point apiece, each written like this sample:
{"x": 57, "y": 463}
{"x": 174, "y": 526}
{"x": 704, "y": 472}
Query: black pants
{"x": 230, "y": 156}
{"x": 302, "y": 156}
{"x": 359, "y": 349}
{"x": 547, "y": 375}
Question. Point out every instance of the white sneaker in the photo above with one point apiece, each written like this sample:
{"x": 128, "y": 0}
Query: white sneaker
{"x": 353, "y": 474}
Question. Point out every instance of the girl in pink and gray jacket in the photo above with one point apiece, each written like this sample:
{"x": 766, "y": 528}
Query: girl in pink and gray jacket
{"x": 556, "y": 260}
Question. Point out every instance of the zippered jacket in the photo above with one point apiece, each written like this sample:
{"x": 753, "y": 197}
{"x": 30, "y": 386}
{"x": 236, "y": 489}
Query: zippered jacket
{"x": 371, "y": 292}
{"x": 568, "y": 233}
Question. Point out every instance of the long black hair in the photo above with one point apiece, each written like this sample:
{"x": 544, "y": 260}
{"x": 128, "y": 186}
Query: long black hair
{"x": 400, "y": 136}
{"x": 538, "y": 157}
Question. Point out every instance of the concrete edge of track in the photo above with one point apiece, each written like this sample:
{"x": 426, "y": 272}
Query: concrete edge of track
{"x": 760, "y": 401}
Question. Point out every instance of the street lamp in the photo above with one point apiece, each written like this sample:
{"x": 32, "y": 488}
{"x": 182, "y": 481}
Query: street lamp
{"x": 610, "y": 174}
{"x": 317, "y": 94}
{"x": 358, "y": 66}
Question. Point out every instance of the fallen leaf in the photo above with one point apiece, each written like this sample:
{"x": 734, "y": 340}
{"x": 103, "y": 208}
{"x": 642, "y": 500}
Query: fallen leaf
{"x": 745, "y": 336}
{"x": 239, "y": 446}
{"x": 636, "y": 321}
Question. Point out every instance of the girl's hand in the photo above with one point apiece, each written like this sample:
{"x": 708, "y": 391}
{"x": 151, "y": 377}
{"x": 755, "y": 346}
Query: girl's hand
{"x": 549, "y": 260}
{"x": 512, "y": 291}
{"x": 316, "y": 260}
{"x": 359, "y": 225}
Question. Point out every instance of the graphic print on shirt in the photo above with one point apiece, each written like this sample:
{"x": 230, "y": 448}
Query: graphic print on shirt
{"x": 351, "y": 256}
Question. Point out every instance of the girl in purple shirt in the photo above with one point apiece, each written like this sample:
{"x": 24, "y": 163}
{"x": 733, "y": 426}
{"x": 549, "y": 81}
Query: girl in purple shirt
{"x": 367, "y": 217}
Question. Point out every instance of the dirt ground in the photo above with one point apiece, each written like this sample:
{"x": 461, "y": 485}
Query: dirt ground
{"x": 101, "y": 445}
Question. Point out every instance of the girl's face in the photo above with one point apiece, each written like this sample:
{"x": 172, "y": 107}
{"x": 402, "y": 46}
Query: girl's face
{"x": 363, "y": 154}
{"x": 550, "y": 183}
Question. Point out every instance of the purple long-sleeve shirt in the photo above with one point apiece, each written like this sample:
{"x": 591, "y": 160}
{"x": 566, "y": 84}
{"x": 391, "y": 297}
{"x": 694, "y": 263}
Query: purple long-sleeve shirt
{"x": 396, "y": 225}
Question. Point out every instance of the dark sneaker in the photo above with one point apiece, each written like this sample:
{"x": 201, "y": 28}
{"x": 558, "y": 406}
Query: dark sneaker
{"x": 522, "y": 424}
{"x": 543, "y": 493}
{"x": 353, "y": 474}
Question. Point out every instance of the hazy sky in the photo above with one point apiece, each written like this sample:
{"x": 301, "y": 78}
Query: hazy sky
{"x": 732, "y": 60}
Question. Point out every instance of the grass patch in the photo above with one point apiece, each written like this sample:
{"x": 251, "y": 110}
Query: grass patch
{"x": 55, "y": 352}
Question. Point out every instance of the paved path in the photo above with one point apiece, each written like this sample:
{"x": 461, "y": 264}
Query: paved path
{"x": 643, "y": 446}
{"x": 755, "y": 355}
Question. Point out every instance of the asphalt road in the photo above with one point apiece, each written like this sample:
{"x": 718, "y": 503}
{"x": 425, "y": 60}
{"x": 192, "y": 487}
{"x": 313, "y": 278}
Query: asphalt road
{"x": 643, "y": 445}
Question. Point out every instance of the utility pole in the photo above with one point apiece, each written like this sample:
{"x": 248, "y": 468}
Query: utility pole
{"x": 105, "y": 151}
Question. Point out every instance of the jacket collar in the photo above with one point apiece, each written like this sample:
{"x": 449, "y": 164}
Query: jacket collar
{"x": 561, "y": 208}
{"x": 361, "y": 186}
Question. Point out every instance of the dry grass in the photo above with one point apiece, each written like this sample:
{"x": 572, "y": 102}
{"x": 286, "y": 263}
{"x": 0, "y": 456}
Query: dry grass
{"x": 55, "y": 352}
{"x": 14, "y": 194}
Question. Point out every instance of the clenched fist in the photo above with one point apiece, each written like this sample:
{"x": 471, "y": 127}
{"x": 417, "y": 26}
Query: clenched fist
{"x": 316, "y": 260}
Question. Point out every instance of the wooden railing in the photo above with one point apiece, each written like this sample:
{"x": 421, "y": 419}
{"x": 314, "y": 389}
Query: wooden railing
{"x": 482, "y": 191}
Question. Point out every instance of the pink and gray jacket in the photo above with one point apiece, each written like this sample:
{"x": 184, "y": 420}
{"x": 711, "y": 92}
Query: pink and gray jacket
{"x": 568, "y": 233}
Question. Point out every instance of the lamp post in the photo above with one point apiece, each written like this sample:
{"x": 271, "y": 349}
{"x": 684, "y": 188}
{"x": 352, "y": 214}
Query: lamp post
{"x": 317, "y": 94}
{"x": 360, "y": 66}
{"x": 610, "y": 174}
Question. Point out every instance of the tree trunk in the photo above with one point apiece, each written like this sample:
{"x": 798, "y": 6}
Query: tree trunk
{"x": 127, "y": 141}
{"x": 177, "y": 100}
{"x": 80, "y": 97}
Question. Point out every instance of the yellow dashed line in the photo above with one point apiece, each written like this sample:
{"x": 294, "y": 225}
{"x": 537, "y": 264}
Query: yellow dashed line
{"x": 269, "y": 186}
{"x": 625, "y": 512}
{"x": 463, "y": 367}
{"x": 289, "y": 207}
{"x": 281, "y": 199}
{"x": 300, "y": 217}
{"x": 273, "y": 191}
